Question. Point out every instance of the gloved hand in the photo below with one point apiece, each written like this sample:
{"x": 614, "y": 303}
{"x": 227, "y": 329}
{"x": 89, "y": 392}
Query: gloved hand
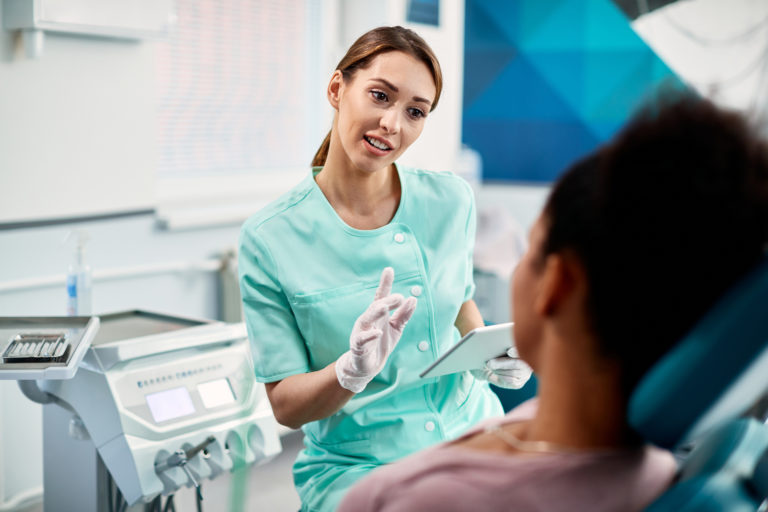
{"x": 374, "y": 335}
{"x": 508, "y": 371}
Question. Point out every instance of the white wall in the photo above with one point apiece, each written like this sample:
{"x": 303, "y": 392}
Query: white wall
{"x": 719, "y": 48}
{"x": 84, "y": 106}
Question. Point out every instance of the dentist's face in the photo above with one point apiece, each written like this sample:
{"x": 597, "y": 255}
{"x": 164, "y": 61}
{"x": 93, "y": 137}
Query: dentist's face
{"x": 381, "y": 109}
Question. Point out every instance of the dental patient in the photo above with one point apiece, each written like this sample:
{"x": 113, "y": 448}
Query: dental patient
{"x": 635, "y": 243}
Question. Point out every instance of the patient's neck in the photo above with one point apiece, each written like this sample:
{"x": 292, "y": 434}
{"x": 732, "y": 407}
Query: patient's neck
{"x": 580, "y": 399}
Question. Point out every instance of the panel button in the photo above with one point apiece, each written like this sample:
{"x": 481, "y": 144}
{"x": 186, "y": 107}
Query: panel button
{"x": 429, "y": 426}
{"x": 423, "y": 346}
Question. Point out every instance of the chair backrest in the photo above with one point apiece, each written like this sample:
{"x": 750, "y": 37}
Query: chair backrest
{"x": 725, "y": 472}
{"x": 696, "y": 395}
{"x": 714, "y": 374}
{"x": 759, "y": 481}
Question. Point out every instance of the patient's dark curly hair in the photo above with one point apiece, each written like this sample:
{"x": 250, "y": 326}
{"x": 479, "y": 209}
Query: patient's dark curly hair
{"x": 664, "y": 218}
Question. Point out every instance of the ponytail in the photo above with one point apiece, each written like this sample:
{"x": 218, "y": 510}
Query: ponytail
{"x": 322, "y": 152}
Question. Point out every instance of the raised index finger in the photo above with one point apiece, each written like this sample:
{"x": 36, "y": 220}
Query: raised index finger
{"x": 385, "y": 285}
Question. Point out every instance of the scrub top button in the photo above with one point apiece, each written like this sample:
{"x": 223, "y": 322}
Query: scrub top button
{"x": 399, "y": 238}
{"x": 423, "y": 346}
{"x": 416, "y": 290}
{"x": 429, "y": 426}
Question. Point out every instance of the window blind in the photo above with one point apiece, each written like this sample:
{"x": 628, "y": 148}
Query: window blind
{"x": 231, "y": 88}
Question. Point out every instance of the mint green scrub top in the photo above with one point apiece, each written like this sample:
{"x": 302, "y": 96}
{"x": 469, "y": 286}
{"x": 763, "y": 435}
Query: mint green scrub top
{"x": 305, "y": 277}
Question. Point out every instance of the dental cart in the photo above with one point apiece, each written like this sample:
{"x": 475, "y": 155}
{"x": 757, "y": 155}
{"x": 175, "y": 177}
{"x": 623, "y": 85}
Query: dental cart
{"x": 154, "y": 402}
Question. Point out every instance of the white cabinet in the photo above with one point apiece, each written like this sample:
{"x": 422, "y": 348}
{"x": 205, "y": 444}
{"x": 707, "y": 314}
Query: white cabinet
{"x": 125, "y": 19}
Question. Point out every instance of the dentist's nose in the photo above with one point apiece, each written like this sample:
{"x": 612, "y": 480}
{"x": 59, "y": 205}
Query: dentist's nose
{"x": 390, "y": 121}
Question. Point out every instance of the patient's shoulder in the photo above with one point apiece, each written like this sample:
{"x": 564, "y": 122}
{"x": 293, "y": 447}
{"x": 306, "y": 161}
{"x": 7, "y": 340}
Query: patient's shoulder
{"x": 455, "y": 479}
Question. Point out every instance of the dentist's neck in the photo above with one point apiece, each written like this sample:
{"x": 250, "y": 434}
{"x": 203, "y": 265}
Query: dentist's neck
{"x": 364, "y": 200}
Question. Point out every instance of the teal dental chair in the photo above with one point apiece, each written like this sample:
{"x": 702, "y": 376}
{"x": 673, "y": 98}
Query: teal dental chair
{"x": 707, "y": 399}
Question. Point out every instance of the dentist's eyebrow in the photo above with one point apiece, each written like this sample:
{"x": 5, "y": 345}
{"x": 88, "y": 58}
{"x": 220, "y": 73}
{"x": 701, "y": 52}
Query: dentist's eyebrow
{"x": 391, "y": 86}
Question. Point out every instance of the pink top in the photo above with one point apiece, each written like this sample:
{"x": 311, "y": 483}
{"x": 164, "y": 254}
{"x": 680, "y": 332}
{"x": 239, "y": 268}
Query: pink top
{"x": 449, "y": 478}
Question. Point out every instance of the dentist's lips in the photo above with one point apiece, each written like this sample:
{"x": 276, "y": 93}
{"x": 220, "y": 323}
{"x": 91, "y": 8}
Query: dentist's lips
{"x": 377, "y": 146}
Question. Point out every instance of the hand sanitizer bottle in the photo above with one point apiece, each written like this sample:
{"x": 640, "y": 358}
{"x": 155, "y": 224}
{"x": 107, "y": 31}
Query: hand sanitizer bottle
{"x": 79, "y": 279}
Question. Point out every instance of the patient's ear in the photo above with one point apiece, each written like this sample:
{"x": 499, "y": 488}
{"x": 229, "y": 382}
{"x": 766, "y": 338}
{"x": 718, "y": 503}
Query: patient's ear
{"x": 562, "y": 278}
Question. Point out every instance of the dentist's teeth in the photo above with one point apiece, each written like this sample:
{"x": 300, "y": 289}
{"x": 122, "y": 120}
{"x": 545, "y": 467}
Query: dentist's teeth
{"x": 375, "y": 143}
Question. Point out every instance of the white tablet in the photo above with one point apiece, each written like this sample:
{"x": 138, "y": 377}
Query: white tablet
{"x": 473, "y": 350}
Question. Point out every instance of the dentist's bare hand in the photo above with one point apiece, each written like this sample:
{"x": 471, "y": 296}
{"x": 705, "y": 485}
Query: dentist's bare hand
{"x": 374, "y": 335}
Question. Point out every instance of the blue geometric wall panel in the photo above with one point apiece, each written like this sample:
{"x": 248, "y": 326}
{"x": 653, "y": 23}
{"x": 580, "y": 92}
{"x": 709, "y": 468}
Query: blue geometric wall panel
{"x": 545, "y": 82}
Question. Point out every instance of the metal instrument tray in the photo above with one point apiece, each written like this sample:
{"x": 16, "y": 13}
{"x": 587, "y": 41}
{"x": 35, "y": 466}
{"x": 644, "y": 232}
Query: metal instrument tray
{"x": 44, "y": 347}
{"x": 134, "y": 334}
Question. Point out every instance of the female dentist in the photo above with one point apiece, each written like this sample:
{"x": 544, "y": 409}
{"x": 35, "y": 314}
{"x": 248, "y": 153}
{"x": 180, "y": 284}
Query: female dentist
{"x": 362, "y": 229}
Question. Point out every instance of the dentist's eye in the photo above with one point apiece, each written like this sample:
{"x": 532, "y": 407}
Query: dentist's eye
{"x": 379, "y": 95}
{"x": 416, "y": 113}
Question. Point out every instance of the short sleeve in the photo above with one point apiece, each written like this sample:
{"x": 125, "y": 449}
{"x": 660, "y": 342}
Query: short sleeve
{"x": 471, "y": 229}
{"x": 277, "y": 345}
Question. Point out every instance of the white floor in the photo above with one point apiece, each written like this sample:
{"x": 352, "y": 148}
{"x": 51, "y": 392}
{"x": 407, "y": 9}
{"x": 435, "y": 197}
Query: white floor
{"x": 269, "y": 487}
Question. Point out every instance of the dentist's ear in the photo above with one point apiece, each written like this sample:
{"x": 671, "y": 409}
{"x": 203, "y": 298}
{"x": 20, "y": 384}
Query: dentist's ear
{"x": 334, "y": 89}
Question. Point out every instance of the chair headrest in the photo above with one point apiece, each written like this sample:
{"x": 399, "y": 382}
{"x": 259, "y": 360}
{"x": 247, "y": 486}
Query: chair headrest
{"x": 714, "y": 374}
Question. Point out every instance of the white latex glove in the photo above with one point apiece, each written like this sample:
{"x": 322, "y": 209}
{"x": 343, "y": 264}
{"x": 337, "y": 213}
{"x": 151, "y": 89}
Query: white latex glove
{"x": 374, "y": 335}
{"x": 508, "y": 371}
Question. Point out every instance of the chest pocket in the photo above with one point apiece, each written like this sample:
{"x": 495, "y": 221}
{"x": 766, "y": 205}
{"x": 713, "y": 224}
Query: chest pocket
{"x": 325, "y": 318}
